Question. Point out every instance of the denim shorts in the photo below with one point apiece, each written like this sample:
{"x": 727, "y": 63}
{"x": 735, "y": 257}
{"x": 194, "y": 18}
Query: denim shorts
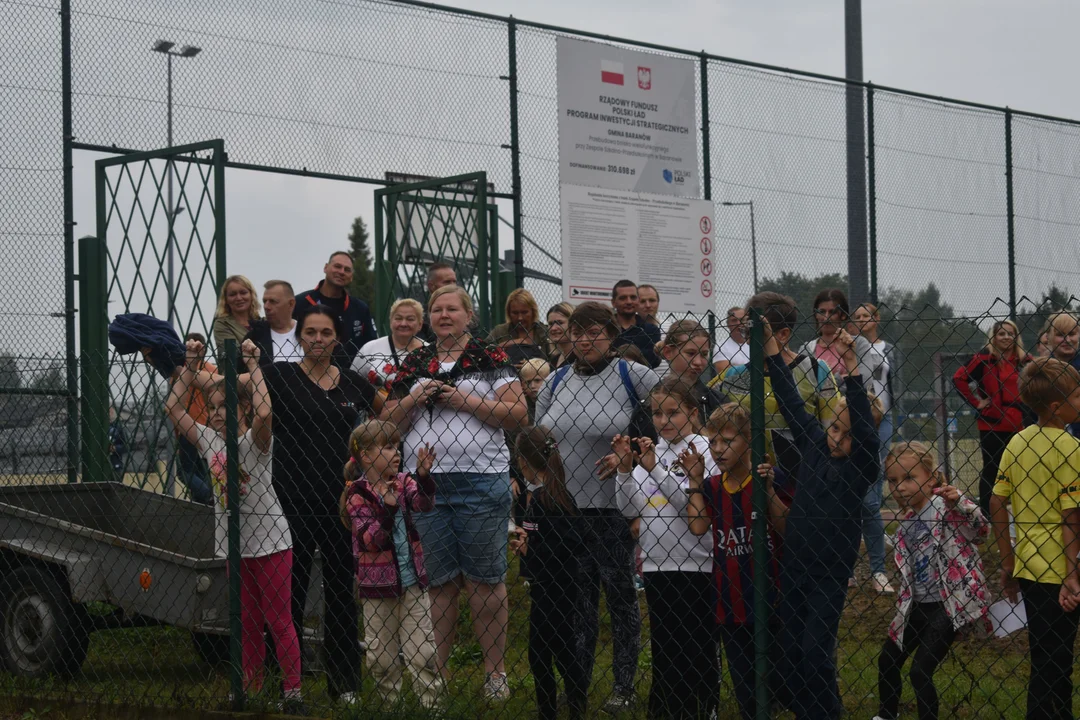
{"x": 466, "y": 534}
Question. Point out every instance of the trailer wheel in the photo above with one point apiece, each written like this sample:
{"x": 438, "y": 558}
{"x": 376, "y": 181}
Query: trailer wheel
{"x": 212, "y": 649}
{"x": 41, "y": 631}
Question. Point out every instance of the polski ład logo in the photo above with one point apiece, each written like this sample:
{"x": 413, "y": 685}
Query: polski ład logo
{"x": 669, "y": 177}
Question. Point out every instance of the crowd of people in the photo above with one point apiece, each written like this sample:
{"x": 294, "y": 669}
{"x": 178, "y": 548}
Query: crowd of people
{"x": 608, "y": 446}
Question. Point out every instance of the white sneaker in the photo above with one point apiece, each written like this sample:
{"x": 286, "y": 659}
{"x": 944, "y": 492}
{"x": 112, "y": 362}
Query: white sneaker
{"x": 349, "y": 698}
{"x": 496, "y": 687}
{"x": 881, "y": 584}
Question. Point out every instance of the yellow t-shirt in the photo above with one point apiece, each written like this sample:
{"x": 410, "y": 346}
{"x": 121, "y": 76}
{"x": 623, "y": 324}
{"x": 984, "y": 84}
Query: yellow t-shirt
{"x": 1039, "y": 474}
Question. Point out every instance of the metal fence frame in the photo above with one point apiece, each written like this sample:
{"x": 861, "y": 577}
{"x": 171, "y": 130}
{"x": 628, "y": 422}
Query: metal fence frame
{"x": 704, "y": 59}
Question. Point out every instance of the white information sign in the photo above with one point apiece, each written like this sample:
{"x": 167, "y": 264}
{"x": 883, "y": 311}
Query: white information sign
{"x": 627, "y": 119}
{"x": 610, "y": 235}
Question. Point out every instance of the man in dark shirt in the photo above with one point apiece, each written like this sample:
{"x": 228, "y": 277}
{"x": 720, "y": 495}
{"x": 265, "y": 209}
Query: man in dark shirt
{"x": 356, "y": 323}
{"x": 634, "y": 328}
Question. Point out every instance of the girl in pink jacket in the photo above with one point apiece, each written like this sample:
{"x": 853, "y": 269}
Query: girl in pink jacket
{"x": 378, "y": 506}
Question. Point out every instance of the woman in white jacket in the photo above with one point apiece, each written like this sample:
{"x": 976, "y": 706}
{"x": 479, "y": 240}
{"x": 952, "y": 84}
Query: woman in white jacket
{"x": 677, "y": 564}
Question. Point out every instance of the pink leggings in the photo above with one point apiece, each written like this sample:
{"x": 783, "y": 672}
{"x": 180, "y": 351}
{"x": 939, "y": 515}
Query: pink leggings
{"x": 265, "y": 599}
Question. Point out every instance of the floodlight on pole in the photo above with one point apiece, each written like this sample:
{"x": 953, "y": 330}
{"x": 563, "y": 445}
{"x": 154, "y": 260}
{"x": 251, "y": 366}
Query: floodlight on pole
{"x": 165, "y": 47}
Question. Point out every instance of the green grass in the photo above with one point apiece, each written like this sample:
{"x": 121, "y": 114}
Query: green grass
{"x": 158, "y": 666}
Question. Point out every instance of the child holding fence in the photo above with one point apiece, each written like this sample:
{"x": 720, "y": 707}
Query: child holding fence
{"x": 676, "y": 564}
{"x": 1037, "y": 478}
{"x": 824, "y": 526}
{"x": 550, "y": 541}
{"x": 377, "y": 506}
{"x": 814, "y": 382}
{"x": 942, "y": 584}
{"x": 723, "y": 503}
{"x": 265, "y": 540}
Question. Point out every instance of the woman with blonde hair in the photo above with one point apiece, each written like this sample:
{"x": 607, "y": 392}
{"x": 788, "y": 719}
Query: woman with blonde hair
{"x": 237, "y": 309}
{"x": 459, "y": 395}
{"x": 995, "y": 374}
{"x": 522, "y": 321}
{"x": 865, "y": 322}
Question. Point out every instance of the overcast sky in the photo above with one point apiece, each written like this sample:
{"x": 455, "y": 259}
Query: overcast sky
{"x": 992, "y": 51}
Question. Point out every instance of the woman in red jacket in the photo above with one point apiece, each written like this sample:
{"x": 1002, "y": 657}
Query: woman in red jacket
{"x": 995, "y": 372}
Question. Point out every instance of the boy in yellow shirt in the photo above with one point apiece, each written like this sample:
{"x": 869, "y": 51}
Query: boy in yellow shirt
{"x": 1039, "y": 477}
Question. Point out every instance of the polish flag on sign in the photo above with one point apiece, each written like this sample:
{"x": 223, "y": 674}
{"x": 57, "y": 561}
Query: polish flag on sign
{"x": 611, "y": 72}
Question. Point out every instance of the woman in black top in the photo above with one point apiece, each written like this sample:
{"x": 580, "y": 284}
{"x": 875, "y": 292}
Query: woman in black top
{"x": 316, "y": 406}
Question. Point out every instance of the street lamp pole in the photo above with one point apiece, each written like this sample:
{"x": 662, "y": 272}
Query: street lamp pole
{"x": 753, "y": 236}
{"x": 187, "y": 51}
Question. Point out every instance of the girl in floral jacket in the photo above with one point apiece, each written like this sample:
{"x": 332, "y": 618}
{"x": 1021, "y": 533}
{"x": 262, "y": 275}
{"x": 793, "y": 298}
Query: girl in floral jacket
{"x": 378, "y": 506}
{"x": 942, "y": 584}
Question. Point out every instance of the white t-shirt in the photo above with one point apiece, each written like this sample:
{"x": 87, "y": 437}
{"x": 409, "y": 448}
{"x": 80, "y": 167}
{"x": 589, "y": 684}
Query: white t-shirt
{"x": 660, "y": 499}
{"x": 286, "y": 346}
{"x": 374, "y": 356}
{"x": 731, "y": 351}
{"x": 263, "y": 527}
{"x": 882, "y": 378}
{"x": 462, "y": 443}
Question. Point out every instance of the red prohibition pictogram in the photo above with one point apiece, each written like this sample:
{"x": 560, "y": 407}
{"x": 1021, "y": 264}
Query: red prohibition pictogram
{"x": 706, "y": 288}
{"x": 705, "y": 224}
{"x": 706, "y": 267}
{"x": 706, "y": 246}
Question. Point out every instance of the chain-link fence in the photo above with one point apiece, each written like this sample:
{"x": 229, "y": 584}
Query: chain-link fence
{"x": 113, "y": 594}
{"x": 470, "y": 586}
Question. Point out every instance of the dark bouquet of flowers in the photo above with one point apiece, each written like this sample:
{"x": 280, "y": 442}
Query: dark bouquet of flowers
{"x": 477, "y": 357}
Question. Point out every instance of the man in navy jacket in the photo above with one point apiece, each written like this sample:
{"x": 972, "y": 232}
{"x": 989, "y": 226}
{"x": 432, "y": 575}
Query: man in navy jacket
{"x": 356, "y": 322}
{"x": 635, "y": 330}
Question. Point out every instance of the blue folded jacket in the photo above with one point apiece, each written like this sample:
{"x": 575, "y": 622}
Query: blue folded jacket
{"x": 131, "y": 332}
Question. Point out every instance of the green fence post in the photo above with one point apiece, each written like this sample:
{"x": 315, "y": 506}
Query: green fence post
{"x": 1009, "y": 214}
{"x": 71, "y": 370}
{"x": 515, "y": 156}
{"x": 482, "y": 251}
{"x": 706, "y": 168}
{"x": 232, "y": 499}
{"x": 94, "y": 365}
{"x": 761, "y": 511}
{"x": 871, "y": 188}
{"x": 220, "y": 246}
{"x": 499, "y": 291}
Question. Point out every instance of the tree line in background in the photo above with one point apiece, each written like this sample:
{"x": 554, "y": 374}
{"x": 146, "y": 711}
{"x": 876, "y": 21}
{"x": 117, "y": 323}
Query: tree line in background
{"x": 920, "y": 324}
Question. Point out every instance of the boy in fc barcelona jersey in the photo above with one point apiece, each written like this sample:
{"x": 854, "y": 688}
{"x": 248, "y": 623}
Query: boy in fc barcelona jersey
{"x": 723, "y": 504}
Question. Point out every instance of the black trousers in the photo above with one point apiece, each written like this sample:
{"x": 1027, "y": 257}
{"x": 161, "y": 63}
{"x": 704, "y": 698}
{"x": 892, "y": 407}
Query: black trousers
{"x": 740, "y": 653}
{"x": 928, "y": 634}
{"x": 608, "y": 562}
{"x": 553, "y": 646}
{"x": 323, "y": 530}
{"x": 809, "y": 614}
{"x": 992, "y": 444}
{"x": 683, "y": 636}
{"x": 1051, "y": 637}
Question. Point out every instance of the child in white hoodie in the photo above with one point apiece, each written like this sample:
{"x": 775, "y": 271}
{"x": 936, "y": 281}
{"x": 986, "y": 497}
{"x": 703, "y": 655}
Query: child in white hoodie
{"x": 677, "y": 564}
